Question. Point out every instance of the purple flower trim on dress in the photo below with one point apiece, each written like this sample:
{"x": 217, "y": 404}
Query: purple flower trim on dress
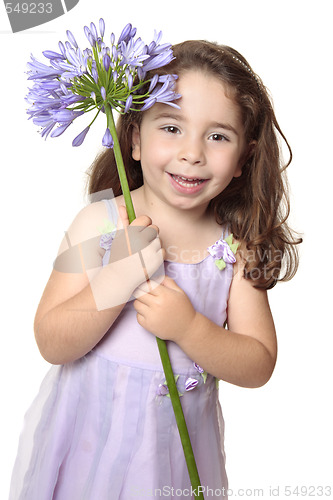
{"x": 223, "y": 251}
{"x": 108, "y": 233}
{"x": 201, "y": 371}
{"x": 198, "y": 368}
{"x": 191, "y": 383}
{"x": 162, "y": 390}
{"x": 106, "y": 240}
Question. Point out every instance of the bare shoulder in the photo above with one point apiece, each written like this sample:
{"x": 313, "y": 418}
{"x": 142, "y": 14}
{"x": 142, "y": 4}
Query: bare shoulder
{"x": 78, "y": 253}
{"x": 89, "y": 223}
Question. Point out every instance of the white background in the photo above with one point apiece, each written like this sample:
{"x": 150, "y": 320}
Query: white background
{"x": 276, "y": 436}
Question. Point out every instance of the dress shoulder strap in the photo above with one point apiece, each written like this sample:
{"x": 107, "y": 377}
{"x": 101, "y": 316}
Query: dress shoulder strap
{"x": 112, "y": 210}
{"x": 225, "y": 232}
{"x": 113, "y": 218}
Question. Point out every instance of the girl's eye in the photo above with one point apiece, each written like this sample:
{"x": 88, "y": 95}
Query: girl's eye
{"x": 171, "y": 129}
{"x": 218, "y": 137}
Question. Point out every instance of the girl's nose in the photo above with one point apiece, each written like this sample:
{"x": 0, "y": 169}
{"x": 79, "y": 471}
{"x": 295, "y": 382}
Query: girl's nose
{"x": 191, "y": 151}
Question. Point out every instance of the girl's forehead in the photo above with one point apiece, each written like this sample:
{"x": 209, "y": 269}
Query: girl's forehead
{"x": 205, "y": 92}
{"x": 195, "y": 74}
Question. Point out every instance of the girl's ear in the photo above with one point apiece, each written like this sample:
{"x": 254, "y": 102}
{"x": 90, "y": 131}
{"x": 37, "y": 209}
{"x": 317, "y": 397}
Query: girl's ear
{"x": 238, "y": 171}
{"x": 244, "y": 158}
{"x": 136, "y": 150}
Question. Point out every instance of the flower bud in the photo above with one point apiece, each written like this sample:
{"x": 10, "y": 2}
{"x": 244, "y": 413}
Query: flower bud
{"x": 128, "y": 104}
{"x": 107, "y": 140}
{"x": 81, "y": 137}
{"x": 102, "y": 27}
{"x": 103, "y": 93}
{"x": 106, "y": 62}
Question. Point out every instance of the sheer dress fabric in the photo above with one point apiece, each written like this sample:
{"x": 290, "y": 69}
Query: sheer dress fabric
{"x": 101, "y": 428}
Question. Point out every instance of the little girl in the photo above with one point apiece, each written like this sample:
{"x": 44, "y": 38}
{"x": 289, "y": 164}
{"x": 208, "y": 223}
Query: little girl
{"x": 102, "y": 426}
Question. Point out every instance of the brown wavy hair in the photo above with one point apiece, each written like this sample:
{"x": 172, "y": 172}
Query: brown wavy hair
{"x": 254, "y": 206}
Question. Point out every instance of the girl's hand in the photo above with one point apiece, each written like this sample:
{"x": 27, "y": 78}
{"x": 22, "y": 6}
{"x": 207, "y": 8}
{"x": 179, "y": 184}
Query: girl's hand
{"x": 134, "y": 237}
{"x": 166, "y": 311}
{"x": 139, "y": 242}
{"x": 135, "y": 256}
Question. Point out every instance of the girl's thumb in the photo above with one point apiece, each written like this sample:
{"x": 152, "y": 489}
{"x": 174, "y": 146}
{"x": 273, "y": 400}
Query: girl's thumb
{"x": 124, "y": 216}
{"x": 170, "y": 283}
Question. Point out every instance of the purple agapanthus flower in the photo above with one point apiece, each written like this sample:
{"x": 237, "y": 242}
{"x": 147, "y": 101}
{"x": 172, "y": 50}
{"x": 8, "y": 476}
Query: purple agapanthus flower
{"x": 133, "y": 53}
{"x": 77, "y": 81}
{"x": 164, "y": 93}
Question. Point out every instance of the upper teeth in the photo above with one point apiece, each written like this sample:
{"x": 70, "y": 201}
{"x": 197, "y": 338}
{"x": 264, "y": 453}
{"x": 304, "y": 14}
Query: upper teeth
{"x": 188, "y": 178}
{"x": 182, "y": 180}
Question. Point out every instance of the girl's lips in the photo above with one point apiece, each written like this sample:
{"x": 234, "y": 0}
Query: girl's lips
{"x": 186, "y": 185}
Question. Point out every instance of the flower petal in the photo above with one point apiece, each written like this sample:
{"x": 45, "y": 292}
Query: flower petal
{"x": 89, "y": 36}
{"x": 60, "y": 130}
{"x": 50, "y": 54}
{"x": 125, "y": 34}
{"x": 80, "y": 138}
{"x": 153, "y": 83}
{"x": 71, "y": 38}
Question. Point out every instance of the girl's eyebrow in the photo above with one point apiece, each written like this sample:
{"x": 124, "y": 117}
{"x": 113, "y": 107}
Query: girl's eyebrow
{"x": 225, "y": 126}
{"x": 178, "y": 117}
{"x": 172, "y": 116}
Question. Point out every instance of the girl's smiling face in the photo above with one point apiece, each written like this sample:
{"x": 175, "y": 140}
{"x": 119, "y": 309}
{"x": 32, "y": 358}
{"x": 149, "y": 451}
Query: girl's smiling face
{"x": 189, "y": 155}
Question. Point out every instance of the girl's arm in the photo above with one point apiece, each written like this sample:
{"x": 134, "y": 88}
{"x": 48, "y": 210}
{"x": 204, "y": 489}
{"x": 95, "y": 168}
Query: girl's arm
{"x": 78, "y": 308}
{"x": 243, "y": 355}
{"x": 67, "y": 323}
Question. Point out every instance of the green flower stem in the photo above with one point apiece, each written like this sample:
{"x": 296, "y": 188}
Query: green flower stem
{"x": 162, "y": 347}
{"x": 180, "y": 419}
{"x": 120, "y": 164}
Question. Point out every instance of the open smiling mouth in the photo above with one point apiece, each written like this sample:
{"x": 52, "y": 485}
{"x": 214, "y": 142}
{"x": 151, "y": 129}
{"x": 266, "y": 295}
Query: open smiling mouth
{"x": 186, "y": 185}
{"x": 187, "y": 182}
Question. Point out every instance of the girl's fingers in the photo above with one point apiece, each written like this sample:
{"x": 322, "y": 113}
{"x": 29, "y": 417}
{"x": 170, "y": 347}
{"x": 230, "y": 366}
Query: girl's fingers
{"x": 140, "y": 307}
{"x": 148, "y": 287}
{"x": 124, "y": 216}
{"x": 144, "y": 221}
{"x": 170, "y": 283}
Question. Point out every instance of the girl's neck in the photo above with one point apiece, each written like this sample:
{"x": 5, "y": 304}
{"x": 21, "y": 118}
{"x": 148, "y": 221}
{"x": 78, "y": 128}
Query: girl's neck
{"x": 179, "y": 229}
{"x": 163, "y": 213}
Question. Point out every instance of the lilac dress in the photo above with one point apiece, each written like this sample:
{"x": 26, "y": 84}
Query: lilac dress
{"x": 103, "y": 428}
